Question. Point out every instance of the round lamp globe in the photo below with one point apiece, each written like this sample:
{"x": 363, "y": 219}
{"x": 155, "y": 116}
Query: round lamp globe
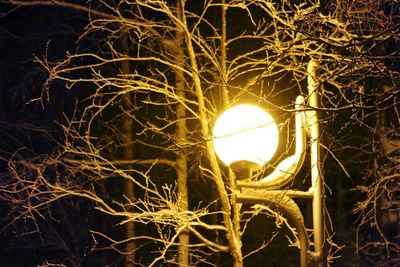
{"x": 245, "y": 133}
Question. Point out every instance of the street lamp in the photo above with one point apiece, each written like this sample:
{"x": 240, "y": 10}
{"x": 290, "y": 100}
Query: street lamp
{"x": 246, "y": 138}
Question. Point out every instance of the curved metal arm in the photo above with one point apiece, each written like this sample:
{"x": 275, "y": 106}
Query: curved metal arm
{"x": 289, "y": 210}
{"x": 286, "y": 170}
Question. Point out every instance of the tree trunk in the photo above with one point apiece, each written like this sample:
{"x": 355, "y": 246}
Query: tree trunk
{"x": 225, "y": 102}
{"x": 234, "y": 241}
{"x": 128, "y": 154}
{"x": 181, "y": 132}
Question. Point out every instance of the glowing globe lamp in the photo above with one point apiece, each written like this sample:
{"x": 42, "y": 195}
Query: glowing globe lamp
{"x": 245, "y": 133}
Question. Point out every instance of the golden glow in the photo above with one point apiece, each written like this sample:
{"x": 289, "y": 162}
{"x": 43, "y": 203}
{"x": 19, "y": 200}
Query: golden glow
{"x": 245, "y": 132}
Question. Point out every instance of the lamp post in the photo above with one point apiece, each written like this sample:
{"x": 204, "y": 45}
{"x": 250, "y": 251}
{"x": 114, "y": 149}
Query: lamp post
{"x": 246, "y": 138}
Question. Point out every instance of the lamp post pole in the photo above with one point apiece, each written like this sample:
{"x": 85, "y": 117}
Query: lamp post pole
{"x": 316, "y": 177}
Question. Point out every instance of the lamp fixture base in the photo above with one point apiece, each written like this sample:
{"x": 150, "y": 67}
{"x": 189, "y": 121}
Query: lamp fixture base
{"x": 244, "y": 169}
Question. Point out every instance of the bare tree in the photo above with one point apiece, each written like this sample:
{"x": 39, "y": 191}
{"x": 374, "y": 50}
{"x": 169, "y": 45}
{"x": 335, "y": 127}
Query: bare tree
{"x": 377, "y": 210}
{"x": 154, "y": 96}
